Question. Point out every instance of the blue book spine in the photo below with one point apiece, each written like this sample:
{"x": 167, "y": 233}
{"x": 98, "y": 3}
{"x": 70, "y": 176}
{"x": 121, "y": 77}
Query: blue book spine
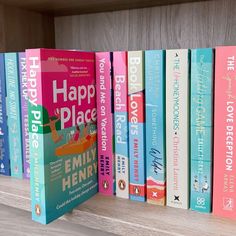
{"x": 201, "y": 129}
{"x": 155, "y": 126}
{"x": 4, "y": 148}
{"x": 14, "y": 114}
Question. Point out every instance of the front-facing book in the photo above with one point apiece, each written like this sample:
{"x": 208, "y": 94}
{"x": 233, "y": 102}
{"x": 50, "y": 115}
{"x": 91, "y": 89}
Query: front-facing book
{"x": 62, "y": 131}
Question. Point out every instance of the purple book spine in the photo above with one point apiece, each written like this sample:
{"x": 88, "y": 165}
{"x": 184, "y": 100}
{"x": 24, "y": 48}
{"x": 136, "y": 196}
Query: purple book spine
{"x": 24, "y": 114}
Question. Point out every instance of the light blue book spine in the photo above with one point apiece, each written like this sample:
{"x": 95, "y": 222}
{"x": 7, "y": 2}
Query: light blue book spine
{"x": 14, "y": 114}
{"x": 201, "y": 129}
{"x": 155, "y": 126}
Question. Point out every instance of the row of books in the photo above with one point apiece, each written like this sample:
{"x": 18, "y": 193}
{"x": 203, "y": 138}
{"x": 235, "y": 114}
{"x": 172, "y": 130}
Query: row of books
{"x": 14, "y": 135}
{"x": 138, "y": 124}
{"x": 156, "y": 112}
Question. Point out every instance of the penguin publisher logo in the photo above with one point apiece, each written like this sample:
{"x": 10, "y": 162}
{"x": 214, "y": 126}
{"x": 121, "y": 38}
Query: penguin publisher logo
{"x": 137, "y": 190}
{"x": 105, "y": 184}
{"x": 122, "y": 184}
{"x": 37, "y": 210}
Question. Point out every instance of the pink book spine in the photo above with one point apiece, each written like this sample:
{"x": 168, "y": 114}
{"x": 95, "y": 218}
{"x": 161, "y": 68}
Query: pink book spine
{"x": 105, "y": 123}
{"x": 120, "y": 87}
{"x": 224, "y": 190}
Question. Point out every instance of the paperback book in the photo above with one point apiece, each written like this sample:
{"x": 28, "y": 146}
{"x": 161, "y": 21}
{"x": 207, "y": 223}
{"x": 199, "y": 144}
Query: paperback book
{"x": 106, "y": 158}
{"x": 120, "y": 88}
{"x": 24, "y": 114}
{"x": 4, "y": 148}
{"x": 136, "y": 117}
{"x": 201, "y": 129}
{"x": 155, "y": 126}
{"x": 224, "y": 191}
{"x": 14, "y": 114}
{"x": 62, "y": 130}
{"x": 177, "y": 127}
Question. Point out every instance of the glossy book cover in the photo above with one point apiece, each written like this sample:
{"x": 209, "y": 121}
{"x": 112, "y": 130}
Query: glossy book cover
{"x": 155, "y": 126}
{"x": 136, "y": 109}
{"x": 4, "y": 144}
{"x": 14, "y": 114}
{"x": 224, "y": 186}
{"x": 201, "y": 129}
{"x": 106, "y": 157}
{"x": 121, "y": 129}
{"x": 62, "y": 130}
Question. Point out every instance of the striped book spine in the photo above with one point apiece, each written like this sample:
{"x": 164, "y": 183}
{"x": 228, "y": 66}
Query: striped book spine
{"x": 121, "y": 123}
{"x": 136, "y": 125}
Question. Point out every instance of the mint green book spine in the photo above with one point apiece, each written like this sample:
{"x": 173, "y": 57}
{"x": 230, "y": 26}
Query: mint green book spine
{"x": 14, "y": 114}
{"x": 201, "y": 129}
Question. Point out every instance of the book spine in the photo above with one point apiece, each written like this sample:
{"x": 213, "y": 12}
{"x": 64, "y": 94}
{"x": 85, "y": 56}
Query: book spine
{"x": 121, "y": 124}
{"x": 36, "y": 140}
{"x": 155, "y": 126}
{"x": 105, "y": 126}
{"x": 24, "y": 114}
{"x": 201, "y": 129}
{"x": 224, "y": 191}
{"x": 136, "y": 116}
{"x": 14, "y": 114}
{"x": 4, "y": 145}
{"x": 177, "y": 128}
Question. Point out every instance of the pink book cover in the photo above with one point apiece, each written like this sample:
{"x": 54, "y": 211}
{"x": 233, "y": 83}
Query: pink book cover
{"x": 105, "y": 123}
{"x": 62, "y": 130}
{"x": 224, "y": 188}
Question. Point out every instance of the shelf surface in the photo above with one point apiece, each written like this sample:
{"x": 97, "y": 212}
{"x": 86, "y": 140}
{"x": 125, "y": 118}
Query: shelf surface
{"x": 23, "y": 226}
{"x": 124, "y": 217}
{"x": 72, "y": 7}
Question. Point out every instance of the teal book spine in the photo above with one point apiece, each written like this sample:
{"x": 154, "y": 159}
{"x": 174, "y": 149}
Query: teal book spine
{"x": 155, "y": 126}
{"x": 201, "y": 129}
{"x": 14, "y": 114}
